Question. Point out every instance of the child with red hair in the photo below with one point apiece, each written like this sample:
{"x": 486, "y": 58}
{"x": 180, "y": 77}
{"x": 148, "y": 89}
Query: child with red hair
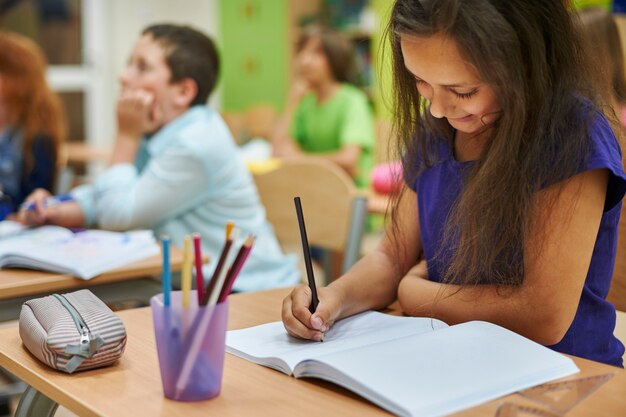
{"x": 32, "y": 123}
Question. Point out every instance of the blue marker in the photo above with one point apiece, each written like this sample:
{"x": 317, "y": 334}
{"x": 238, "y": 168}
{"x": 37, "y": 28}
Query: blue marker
{"x": 49, "y": 202}
{"x": 166, "y": 279}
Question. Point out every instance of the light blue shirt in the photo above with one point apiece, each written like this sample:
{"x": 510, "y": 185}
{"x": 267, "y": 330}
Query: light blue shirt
{"x": 189, "y": 177}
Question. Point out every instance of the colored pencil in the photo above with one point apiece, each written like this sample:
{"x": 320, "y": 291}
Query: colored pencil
{"x": 198, "y": 260}
{"x": 186, "y": 272}
{"x": 221, "y": 264}
{"x": 234, "y": 270}
{"x": 229, "y": 229}
{"x": 166, "y": 277}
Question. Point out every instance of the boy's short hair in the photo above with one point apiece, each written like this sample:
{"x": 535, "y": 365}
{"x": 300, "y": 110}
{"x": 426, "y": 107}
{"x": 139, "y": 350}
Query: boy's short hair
{"x": 188, "y": 54}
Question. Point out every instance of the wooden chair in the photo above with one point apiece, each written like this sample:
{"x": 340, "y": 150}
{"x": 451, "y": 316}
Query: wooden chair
{"x": 236, "y": 124}
{"x": 73, "y": 155}
{"x": 259, "y": 121}
{"x": 334, "y": 210}
{"x": 384, "y": 138}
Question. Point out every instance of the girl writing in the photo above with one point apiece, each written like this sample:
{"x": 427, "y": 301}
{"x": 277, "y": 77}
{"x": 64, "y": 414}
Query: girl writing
{"x": 513, "y": 181}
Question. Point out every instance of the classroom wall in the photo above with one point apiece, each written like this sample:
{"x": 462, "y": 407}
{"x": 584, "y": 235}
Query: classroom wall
{"x": 127, "y": 19}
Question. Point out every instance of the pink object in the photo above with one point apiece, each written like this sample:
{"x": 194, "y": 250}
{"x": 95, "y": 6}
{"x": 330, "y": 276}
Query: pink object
{"x": 387, "y": 178}
{"x": 195, "y": 337}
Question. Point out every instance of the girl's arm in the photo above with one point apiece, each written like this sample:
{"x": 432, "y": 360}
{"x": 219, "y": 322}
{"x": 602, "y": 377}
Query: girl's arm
{"x": 558, "y": 251}
{"x": 372, "y": 283}
{"x": 283, "y": 144}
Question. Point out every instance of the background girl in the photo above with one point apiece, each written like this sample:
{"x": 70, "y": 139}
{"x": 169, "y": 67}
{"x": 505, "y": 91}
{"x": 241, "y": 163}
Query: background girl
{"x": 32, "y": 123}
{"x": 326, "y": 116}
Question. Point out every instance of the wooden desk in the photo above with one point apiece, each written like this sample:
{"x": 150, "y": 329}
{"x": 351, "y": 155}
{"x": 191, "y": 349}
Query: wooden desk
{"x": 23, "y": 282}
{"x": 83, "y": 153}
{"x": 133, "y": 387}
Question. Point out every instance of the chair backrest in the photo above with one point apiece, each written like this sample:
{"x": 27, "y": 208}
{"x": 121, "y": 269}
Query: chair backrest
{"x": 236, "y": 124}
{"x": 384, "y": 138}
{"x": 259, "y": 121}
{"x": 334, "y": 210}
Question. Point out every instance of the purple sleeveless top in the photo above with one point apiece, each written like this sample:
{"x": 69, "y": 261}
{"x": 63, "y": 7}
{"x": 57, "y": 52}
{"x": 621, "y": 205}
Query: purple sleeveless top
{"x": 591, "y": 334}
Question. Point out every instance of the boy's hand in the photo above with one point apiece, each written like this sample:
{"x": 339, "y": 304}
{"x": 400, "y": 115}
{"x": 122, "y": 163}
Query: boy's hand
{"x": 137, "y": 113}
{"x": 299, "y": 321}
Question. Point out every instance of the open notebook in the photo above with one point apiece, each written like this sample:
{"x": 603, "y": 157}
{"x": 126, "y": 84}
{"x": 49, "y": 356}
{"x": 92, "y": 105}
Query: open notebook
{"x": 409, "y": 366}
{"x": 83, "y": 254}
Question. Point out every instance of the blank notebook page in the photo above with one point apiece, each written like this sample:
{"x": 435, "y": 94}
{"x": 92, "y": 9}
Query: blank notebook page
{"x": 441, "y": 372}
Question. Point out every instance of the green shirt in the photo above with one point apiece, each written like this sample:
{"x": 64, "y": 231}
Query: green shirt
{"x": 344, "y": 119}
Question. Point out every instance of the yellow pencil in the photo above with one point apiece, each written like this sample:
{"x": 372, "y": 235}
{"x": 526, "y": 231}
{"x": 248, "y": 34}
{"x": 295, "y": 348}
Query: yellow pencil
{"x": 186, "y": 272}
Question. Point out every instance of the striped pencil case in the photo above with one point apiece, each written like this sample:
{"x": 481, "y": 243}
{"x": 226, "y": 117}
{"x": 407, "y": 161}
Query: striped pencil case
{"x": 72, "y": 332}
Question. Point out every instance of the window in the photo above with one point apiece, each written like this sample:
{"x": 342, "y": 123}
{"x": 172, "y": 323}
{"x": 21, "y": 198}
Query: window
{"x": 70, "y": 32}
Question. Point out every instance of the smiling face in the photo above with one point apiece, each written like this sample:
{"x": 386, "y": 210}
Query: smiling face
{"x": 451, "y": 85}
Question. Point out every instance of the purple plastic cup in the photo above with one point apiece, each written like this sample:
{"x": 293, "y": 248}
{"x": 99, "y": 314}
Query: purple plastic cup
{"x": 190, "y": 345}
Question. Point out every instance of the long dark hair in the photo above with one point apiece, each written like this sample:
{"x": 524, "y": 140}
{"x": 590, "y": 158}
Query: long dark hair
{"x": 531, "y": 55}
{"x": 604, "y": 43}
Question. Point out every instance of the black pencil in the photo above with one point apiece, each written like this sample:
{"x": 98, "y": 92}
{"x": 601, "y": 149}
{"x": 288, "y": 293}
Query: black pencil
{"x": 307, "y": 256}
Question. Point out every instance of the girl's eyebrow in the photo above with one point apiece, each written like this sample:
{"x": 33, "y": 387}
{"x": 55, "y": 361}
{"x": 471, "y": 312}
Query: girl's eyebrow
{"x": 456, "y": 85}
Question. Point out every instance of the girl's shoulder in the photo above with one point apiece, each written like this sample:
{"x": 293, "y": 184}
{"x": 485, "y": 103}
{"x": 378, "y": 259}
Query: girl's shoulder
{"x": 604, "y": 151}
{"x": 601, "y": 132}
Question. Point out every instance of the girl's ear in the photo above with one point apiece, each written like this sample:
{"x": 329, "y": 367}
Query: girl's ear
{"x": 186, "y": 92}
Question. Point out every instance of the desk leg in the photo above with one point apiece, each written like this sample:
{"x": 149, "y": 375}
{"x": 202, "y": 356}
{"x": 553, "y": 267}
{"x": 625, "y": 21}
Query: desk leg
{"x": 34, "y": 404}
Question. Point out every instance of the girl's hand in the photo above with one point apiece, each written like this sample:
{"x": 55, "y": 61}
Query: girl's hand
{"x": 419, "y": 271}
{"x": 299, "y": 321}
{"x": 299, "y": 87}
{"x": 38, "y": 216}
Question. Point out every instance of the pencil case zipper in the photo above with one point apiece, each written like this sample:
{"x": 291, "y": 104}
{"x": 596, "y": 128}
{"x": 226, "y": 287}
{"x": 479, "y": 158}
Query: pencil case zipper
{"x": 88, "y": 344}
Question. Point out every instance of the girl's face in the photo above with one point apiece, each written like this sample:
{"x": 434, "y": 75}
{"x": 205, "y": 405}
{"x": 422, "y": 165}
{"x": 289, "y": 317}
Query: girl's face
{"x": 449, "y": 83}
{"x": 312, "y": 63}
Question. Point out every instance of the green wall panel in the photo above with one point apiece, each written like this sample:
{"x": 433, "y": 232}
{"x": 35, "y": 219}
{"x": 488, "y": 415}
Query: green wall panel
{"x": 254, "y": 53}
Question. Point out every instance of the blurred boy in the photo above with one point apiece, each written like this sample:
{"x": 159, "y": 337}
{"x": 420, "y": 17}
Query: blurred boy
{"x": 175, "y": 167}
